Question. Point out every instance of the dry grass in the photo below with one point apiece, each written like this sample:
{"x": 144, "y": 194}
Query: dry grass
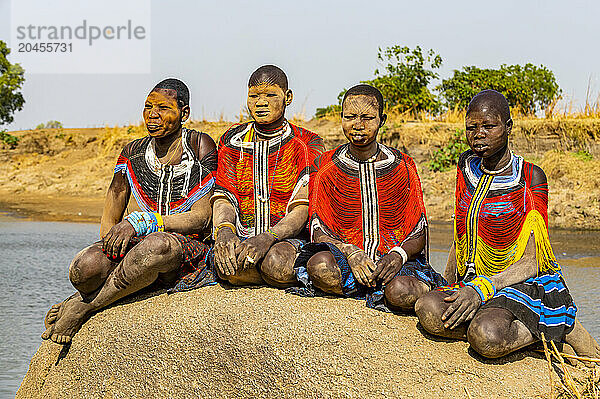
{"x": 569, "y": 386}
{"x": 568, "y": 151}
{"x": 567, "y": 109}
{"x": 576, "y": 167}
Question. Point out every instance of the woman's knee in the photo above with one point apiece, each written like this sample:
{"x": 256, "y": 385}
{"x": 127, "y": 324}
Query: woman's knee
{"x": 278, "y": 265}
{"x": 429, "y": 309}
{"x": 89, "y": 269}
{"x": 324, "y": 272}
{"x": 403, "y": 291}
{"x": 158, "y": 243}
{"x": 489, "y": 333}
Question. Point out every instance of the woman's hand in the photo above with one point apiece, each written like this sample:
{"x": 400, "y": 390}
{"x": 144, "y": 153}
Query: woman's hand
{"x": 465, "y": 303}
{"x": 387, "y": 267}
{"x": 226, "y": 243}
{"x": 115, "y": 242}
{"x": 253, "y": 250}
{"x": 362, "y": 267}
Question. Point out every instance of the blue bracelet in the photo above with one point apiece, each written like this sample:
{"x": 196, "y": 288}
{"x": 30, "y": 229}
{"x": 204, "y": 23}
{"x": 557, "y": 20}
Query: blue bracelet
{"x": 145, "y": 223}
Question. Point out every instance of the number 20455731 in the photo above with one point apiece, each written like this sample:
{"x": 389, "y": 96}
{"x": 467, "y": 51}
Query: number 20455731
{"x": 26, "y": 47}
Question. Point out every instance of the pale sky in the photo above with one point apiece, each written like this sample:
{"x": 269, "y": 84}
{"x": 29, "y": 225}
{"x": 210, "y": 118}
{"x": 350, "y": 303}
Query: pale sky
{"x": 324, "y": 46}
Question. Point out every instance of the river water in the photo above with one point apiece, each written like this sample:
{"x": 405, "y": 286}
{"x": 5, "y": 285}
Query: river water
{"x": 34, "y": 259}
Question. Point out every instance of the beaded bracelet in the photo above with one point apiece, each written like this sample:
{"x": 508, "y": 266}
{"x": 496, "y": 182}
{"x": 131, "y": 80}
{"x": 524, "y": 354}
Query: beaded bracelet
{"x": 145, "y": 223}
{"x": 270, "y": 231}
{"x": 484, "y": 287}
{"x": 224, "y": 224}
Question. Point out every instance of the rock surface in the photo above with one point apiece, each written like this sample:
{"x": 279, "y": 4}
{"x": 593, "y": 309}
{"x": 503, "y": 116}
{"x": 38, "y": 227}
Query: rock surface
{"x": 240, "y": 343}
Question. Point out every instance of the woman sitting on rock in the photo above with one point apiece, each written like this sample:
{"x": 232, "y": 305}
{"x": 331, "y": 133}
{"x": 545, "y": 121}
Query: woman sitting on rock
{"x": 507, "y": 290}
{"x": 171, "y": 175}
{"x": 368, "y": 223}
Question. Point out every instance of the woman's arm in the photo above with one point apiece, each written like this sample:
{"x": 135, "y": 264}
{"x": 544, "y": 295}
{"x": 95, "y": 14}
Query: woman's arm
{"x": 255, "y": 248}
{"x": 466, "y": 301}
{"x": 450, "y": 270}
{"x": 115, "y": 203}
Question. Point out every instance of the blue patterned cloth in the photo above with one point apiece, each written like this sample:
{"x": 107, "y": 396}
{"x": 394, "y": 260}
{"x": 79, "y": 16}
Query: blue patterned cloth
{"x": 374, "y": 296}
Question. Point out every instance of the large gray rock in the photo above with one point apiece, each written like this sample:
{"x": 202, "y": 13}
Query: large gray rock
{"x": 218, "y": 342}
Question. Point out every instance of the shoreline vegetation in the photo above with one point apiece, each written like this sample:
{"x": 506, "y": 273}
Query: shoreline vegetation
{"x": 62, "y": 174}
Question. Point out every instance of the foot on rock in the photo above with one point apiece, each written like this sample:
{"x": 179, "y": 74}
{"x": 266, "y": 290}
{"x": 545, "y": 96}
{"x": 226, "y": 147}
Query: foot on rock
{"x": 71, "y": 315}
{"x": 54, "y": 311}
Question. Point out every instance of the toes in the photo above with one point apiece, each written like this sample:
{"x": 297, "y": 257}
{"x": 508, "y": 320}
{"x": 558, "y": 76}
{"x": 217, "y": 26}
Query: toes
{"x": 63, "y": 339}
{"x": 52, "y": 315}
{"x": 56, "y": 338}
{"x": 47, "y": 334}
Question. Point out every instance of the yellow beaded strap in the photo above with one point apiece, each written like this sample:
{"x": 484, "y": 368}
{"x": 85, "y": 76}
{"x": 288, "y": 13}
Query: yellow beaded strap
{"x": 224, "y": 224}
{"x": 275, "y": 236}
{"x": 484, "y": 287}
{"x": 160, "y": 224}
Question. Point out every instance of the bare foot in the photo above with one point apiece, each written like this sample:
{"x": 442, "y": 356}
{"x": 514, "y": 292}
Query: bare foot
{"x": 52, "y": 315}
{"x": 72, "y": 314}
{"x": 54, "y": 312}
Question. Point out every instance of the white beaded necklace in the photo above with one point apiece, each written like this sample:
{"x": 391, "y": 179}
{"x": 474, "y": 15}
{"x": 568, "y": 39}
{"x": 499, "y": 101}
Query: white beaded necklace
{"x": 498, "y": 171}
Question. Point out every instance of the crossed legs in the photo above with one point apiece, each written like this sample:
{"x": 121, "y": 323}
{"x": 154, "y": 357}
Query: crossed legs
{"x": 493, "y": 332}
{"x": 100, "y": 282}
{"x": 276, "y": 268}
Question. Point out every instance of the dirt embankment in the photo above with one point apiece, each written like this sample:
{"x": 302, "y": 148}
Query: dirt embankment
{"x": 64, "y": 173}
{"x": 219, "y": 342}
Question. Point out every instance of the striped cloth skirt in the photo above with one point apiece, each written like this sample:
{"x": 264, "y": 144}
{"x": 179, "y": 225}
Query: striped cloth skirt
{"x": 542, "y": 303}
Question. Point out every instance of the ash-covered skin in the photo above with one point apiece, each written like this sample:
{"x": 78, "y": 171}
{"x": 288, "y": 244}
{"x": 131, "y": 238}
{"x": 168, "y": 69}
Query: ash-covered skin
{"x": 492, "y": 332}
{"x": 362, "y": 117}
{"x": 99, "y": 280}
{"x": 261, "y": 258}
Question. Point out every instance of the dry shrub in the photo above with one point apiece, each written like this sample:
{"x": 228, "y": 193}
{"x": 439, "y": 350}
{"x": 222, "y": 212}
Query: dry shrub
{"x": 114, "y": 138}
{"x": 577, "y": 169}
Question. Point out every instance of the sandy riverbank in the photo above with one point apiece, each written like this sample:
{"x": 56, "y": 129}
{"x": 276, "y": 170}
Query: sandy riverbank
{"x": 63, "y": 174}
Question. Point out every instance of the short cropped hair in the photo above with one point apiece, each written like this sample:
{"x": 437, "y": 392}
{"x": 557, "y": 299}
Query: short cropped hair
{"x": 365, "y": 90}
{"x": 495, "y": 100}
{"x": 183, "y": 93}
{"x": 269, "y": 74}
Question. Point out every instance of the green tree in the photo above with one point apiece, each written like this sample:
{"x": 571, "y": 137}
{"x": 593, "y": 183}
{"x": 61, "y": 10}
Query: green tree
{"x": 447, "y": 156}
{"x": 527, "y": 88}
{"x": 49, "y": 125}
{"x": 405, "y": 77}
{"x": 11, "y": 80}
{"x": 403, "y": 81}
